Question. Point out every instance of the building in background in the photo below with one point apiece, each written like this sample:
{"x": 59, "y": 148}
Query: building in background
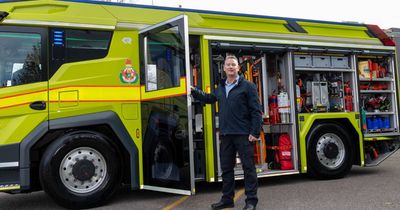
{"x": 394, "y": 33}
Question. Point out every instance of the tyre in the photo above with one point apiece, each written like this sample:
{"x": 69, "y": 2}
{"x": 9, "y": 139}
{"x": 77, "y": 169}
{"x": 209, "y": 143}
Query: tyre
{"x": 329, "y": 151}
{"x": 80, "y": 170}
{"x": 163, "y": 164}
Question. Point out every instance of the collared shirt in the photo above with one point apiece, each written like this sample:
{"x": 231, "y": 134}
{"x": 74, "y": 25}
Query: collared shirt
{"x": 229, "y": 86}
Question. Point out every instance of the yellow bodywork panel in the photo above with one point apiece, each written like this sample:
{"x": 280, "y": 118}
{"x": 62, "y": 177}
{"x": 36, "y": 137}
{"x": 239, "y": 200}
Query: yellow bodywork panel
{"x": 308, "y": 120}
{"x": 96, "y": 13}
{"x": 17, "y": 119}
{"x": 318, "y": 29}
{"x": 58, "y": 11}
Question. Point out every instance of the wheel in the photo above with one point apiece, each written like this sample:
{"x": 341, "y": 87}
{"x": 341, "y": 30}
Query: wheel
{"x": 329, "y": 151}
{"x": 163, "y": 164}
{"x": 80, "y": 170}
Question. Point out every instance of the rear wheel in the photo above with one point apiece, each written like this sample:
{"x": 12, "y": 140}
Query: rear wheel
{"x": 80, "y": 170}
{"x": 329, "y": 151}
{"x": 163, "y": 161}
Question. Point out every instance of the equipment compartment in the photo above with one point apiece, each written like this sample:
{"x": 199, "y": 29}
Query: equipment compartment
{"x": 340, "y": 62}
{"x": 378, "y": 151}
{"x": 270, "y": 71}
{"x": 326, "y": 89}
{"x": 319, "y": 61}
{"x": 378, "y": 103}
{"x": 302, "y": 60}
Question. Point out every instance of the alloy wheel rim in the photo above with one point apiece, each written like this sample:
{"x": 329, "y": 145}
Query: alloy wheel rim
{"x": 83, "y": 170}
{"x": 330, "y": 150}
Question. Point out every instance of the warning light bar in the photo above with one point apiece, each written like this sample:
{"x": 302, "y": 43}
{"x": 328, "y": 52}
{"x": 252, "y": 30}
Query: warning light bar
{"x": 381, "y": 35}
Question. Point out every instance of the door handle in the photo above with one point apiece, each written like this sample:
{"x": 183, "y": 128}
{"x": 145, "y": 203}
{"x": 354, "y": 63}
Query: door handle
{"x": 38, "y": 105}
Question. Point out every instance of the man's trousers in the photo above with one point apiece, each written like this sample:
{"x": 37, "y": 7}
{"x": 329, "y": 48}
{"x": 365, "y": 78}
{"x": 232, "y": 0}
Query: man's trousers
{"x": 229, "y": 145}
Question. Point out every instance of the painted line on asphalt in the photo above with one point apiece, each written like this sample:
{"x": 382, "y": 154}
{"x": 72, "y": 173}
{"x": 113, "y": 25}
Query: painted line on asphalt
{"x": 238, "y": 194}
{"x": 176, "y": 203}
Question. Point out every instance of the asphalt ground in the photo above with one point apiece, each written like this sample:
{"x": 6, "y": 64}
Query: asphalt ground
{"x": 363, "y": 189}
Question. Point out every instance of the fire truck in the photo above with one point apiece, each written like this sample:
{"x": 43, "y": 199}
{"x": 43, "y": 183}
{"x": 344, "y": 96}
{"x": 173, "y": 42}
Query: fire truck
{"x": 95, "y": 96}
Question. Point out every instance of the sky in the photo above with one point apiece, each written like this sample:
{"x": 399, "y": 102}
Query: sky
{"x": 384, "y": 13}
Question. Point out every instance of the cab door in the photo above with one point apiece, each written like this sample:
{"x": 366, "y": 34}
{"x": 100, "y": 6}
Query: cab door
{"x": 23, "y": 96}
{"x": 166, "y": 107}
{"x": 23, "y": 82}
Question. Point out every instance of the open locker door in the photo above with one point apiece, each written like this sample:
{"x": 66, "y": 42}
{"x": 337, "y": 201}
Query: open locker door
{"x": 166, "y": 107}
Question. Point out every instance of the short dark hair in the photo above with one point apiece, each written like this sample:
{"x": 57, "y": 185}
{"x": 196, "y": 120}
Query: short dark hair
{"x": 231, "y": 56}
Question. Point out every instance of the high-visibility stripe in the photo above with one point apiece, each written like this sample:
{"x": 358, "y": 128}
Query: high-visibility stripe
{"x": 93, "y": 86}
{"x": 164, "y": 97}
{"x": 22, "y": 94}
{"x": 63, "y": 87}
{"x": 14, "y": 105}
{"x": 82, "y": 101}
{"x": 97, "y": 93}
{"x": 93, "y": 93}
{"x": 165, "y": 93}
{"x": 22, "y": 99}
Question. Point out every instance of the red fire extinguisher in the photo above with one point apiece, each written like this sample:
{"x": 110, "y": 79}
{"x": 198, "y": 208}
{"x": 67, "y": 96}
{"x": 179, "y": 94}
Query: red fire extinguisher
{"x": 273, "y": 109}
{"x": 348, "y": 98}
{"x": 285, "y": 152}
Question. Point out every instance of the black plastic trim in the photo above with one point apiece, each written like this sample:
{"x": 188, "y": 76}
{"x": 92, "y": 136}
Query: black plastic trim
{"x": 109, "y": 118}
{"x": 3, "y": 15}
{"x": 370, "y": 33}
{"x": 293, "y": 26}
{"x": 9, "y": 153}
{"x": 9, "y": 174}
{"x": 25, "y": 150}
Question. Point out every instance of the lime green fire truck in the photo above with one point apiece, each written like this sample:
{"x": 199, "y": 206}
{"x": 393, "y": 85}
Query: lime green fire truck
{"x": 96, "y": 95}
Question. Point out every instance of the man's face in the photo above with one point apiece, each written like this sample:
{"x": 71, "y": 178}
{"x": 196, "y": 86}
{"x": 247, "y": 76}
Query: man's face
{"x": 231, "y": 67}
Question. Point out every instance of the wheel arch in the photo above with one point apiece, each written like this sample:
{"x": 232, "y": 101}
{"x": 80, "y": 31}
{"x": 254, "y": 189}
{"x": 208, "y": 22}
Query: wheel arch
{"x": 346, "y": 124}
{"x": 107, "y": 123}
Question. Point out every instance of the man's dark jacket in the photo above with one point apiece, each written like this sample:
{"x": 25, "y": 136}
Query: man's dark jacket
{"x": 240, "y": 112}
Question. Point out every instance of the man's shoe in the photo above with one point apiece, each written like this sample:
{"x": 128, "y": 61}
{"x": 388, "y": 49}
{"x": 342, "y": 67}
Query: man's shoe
{"x": 222, "y": 205}
{"x": 249, "y": 206}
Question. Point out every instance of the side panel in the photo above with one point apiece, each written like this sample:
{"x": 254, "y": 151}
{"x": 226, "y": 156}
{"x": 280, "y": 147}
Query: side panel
{"x": 306, "y": 121}
{"x": 23, "y": 75}
{"x": 23, "y": 94}
{"x": 113, "y": 120}
{"x": 9, "y": 171}
{"x": 89, "y": 87}
{"x": 17, "y": 119}
{"x": 208, "y": 125}
{"x": 104, "y": 118}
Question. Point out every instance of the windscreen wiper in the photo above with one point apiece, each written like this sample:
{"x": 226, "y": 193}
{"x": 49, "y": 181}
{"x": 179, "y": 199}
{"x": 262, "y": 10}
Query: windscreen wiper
{"x": 3, "y": 15}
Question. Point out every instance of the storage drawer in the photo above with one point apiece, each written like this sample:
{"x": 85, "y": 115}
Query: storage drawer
{"x": 340, "y": 62}
{"x": 302, "y": 60}
{"x": 321, "y": 61}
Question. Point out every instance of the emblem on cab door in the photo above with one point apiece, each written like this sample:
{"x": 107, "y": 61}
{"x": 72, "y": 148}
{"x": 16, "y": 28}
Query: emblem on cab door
{"x": 128, "y": 75}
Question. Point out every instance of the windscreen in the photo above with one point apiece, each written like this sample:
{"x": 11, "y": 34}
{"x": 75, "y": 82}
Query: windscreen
{"x": 20, "y": 59}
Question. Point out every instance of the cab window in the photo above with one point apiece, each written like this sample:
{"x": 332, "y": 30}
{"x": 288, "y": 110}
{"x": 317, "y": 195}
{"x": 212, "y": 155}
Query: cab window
{"x": 165, "y": 59}
{"x": 72, "y": 45}
{"x": 20, "y": 58}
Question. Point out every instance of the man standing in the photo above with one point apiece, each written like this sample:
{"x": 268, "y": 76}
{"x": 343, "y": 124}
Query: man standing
{"x": 240, "y": 125}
